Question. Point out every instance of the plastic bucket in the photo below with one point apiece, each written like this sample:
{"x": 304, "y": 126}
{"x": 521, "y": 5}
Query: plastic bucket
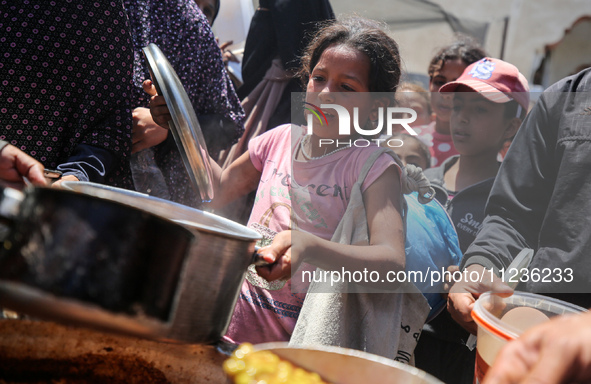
{"x": 495, "y": 329}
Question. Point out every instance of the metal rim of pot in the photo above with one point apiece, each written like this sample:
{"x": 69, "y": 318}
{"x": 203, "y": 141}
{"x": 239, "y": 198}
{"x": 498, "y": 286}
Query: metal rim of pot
{"x": 347, "y": 366}
{"x": 190, "y": 217}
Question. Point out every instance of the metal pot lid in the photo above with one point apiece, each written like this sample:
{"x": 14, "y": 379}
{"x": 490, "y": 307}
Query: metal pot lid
{"x": 188, "y": 217}
{"x": 184, "y": 126}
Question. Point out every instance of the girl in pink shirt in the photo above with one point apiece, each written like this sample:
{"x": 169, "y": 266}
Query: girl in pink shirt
{"x": 303, "y": 180}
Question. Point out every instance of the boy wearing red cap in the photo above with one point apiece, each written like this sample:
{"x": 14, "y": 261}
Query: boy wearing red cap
{"x": 490, "y": 100}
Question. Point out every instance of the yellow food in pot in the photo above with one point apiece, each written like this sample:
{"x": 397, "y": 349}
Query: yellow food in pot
{"x": 247, "y": 366}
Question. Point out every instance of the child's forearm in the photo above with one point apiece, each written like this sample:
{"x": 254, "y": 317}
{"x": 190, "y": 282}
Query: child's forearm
{"x": 328, "y": 255}
{"x": 240, "y": 178}
{"x": 216, "y": 173}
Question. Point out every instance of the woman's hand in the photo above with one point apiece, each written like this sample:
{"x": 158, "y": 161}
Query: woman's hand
{"x": 158, "y": 107}
{"x": 16, "y": 164}
{"x": 280, "y": 255}
{"x": 145, "y": 133}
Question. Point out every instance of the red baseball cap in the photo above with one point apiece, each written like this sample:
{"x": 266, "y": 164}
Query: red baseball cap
{"x": 497, "y": 80}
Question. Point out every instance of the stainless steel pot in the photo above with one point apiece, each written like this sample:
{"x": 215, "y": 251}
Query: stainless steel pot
{"x": 113, "y": 259}
{"x": 213, "y": 271}
{"x": 348, "y": 366}
{"x": 65, "y": 249}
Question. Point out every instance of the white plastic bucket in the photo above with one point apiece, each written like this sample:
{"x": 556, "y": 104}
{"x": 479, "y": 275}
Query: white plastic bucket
{"x": 494, "y": 331}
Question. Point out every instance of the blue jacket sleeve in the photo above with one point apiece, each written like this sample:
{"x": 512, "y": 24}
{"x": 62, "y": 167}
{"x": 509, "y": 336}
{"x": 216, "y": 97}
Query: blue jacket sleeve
{"x": 89, "y": 163}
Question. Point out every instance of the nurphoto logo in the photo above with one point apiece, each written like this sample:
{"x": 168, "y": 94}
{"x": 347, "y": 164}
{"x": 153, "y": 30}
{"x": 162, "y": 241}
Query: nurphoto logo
{"x": 392, "y": 117}
{"x": 315, "y": 110}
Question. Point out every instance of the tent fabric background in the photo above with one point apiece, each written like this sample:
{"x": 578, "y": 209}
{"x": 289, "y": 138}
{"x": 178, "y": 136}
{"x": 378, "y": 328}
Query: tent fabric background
{"x": 418, "y": 13}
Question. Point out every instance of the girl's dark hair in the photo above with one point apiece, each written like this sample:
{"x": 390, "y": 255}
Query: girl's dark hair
{"x": 365, "y": 36}
{"x": 465, "y": 49}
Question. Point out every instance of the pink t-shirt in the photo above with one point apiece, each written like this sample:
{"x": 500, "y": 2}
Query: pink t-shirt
{"x": 311, "y": 196}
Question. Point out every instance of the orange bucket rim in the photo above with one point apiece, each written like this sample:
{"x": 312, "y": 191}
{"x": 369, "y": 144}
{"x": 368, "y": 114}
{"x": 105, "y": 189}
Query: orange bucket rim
{"x": 490, "y": 328}
{"x": 506, "y": 332}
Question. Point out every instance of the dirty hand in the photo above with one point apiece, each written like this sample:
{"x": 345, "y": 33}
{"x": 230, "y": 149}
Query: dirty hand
{"x": 558, "y": 351}
{"x": 16, "y": 164}
{"x": 145, "y": 132}
{"x": 158, "y": 107}
{"x": 463, "y": 294}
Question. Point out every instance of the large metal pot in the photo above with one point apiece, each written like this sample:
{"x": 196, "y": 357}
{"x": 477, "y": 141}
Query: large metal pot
{"x": 348, "y": 366}
{"x": 170, "y": 280}
{"x": 213, "y": 271}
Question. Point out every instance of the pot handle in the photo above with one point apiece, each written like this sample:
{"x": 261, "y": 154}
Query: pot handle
{"x": 257, "y": 259}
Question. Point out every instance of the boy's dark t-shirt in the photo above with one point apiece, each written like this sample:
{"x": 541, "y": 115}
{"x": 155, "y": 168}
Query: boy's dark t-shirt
{"x": 466, "y": 208}
{"x": 441, "y": 350}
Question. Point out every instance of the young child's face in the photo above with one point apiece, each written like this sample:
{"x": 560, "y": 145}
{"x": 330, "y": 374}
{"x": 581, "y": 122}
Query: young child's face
{"x": 477, "y": 125}
{"x": 341, "y": 77}
{"x": 441, "y": 103}
{"x": 408, "y": 99}
{"x": 410, "y": 153}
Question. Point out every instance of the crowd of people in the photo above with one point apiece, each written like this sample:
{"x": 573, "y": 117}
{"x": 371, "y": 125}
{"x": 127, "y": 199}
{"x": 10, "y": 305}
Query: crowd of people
{"x": 76, "y": 97}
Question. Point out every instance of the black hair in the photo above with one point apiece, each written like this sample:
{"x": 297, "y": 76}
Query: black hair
{"x": 465, "y": 49}
{"x": 365, "y": 36}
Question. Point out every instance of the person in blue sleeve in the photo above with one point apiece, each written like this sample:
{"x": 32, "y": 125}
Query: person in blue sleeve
{"x": 65, "y": 89}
